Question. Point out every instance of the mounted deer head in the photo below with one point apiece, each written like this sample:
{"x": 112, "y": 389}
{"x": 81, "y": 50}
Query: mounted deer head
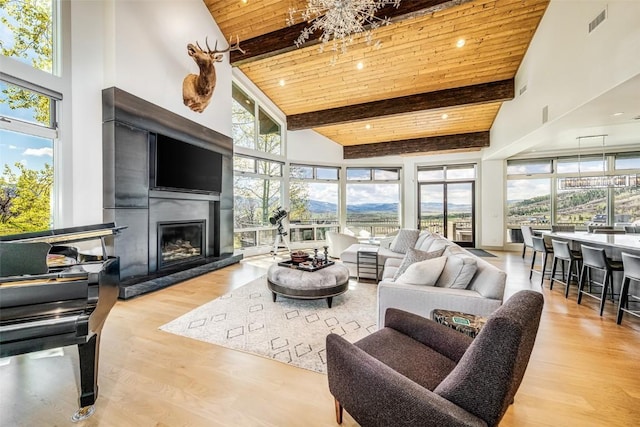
{"x": 197, "y": 89}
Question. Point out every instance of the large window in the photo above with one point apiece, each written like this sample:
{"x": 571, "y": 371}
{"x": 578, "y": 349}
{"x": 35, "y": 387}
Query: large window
{"x": 27, "y": 132}
{"x": 258, "y": 171}
{"x": 373, "y": 201}
{"x": 626, "y": 202}
{"x": 29, "y": 33}
{"x": 528, "y": 202}
{"x": 263, "y": 135}
{"x": 313, "y": 202}
{"x": 28, "y": 115}
{"x": 257, "y": 193}
{"x": 535, "y": 196}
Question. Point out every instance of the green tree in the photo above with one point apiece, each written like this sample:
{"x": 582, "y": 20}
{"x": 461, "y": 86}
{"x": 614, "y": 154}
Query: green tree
{"x": 31, "y": 23}
{"x": 25, "y": 199}
{"x": 299, "y": 200}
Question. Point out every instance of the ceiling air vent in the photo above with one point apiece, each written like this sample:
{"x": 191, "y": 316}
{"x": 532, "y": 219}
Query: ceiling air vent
{"x": 598, "y": 20}
{"x": 545, "y": 114}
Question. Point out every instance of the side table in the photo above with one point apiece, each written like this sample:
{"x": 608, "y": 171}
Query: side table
{"x": 367, "y": 263}
{"x": 468, "y": 324}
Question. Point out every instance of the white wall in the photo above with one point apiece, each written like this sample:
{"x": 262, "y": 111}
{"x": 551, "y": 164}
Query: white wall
{"x": 307, "y": 145}
{"x": 140, "y": 47}
{"x": 566, "y": 66}
{"x": 88, "y": 25}
{"x": 491, "y": 208}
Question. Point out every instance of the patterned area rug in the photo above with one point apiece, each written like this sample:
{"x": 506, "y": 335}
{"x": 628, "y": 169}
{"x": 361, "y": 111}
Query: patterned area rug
{"x": 288, "y": 330}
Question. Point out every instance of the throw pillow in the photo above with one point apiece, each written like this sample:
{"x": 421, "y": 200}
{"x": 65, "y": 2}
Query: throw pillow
{"x": 458, "y": 271}
{"x": 424, "y": 273}
{"x": 412, "y": 256}
{"x": 404, "y": 240}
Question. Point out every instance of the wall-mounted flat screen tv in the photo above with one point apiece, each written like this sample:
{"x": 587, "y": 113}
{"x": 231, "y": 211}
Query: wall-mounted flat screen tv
{"x": 180, "y": 166}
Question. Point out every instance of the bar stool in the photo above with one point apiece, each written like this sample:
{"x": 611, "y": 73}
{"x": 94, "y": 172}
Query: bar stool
{"x": 631, "y": 272}
{"x": 527, "y": 233}
{"x": 632, "y": 229}
{"x": 562, "y": 253}
{"x": 539, "y": 246}
{"x": 595, "y": 259}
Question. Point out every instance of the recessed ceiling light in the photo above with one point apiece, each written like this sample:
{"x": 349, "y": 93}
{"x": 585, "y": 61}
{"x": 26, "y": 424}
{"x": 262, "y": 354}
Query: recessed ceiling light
{"x": 445, "y": 116}
{"x": 281, "y": 82}
{"x": 360, "y": 65}
{"x": 367, "y": 126}
{"x": 460, "y": 42}
{"x": 618, "y": 114}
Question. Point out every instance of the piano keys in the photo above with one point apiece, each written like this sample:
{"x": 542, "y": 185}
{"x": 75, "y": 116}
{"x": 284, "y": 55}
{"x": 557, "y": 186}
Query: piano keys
{"x": 51, "y": 297}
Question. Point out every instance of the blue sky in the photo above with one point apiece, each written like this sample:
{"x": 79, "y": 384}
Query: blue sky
{"x": 32, "y": 151}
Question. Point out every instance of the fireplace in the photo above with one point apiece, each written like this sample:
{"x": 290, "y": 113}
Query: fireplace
{"x": 175, "y": 229}
{"x": 180, "y": 242}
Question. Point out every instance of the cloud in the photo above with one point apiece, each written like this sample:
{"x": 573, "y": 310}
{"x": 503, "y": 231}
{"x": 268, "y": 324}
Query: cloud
{"x": 13, "y": 147}
{"x": 373, "y": 193}
{"x": 38, "y": 152}
{"x": 523, "y": 189}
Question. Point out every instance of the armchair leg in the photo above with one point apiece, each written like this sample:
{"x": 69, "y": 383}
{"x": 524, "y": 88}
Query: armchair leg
{"x": 338, "y": 411}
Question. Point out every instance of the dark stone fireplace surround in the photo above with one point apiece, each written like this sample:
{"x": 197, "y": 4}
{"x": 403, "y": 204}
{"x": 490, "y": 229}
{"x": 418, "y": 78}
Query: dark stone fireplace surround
{"x": 129, "y": 200}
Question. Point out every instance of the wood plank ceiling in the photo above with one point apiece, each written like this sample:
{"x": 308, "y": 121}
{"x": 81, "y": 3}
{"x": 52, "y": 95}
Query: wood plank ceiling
{"x": 418, "y": 93}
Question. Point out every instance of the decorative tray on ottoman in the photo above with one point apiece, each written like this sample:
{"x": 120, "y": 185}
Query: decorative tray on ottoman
{"x": 305, "y": 265}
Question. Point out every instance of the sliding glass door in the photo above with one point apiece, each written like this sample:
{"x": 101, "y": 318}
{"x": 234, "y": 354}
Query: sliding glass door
{"x": 448, "y": 208}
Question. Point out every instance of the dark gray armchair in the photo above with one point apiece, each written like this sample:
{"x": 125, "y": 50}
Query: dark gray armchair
{"x": 415, "y": 372}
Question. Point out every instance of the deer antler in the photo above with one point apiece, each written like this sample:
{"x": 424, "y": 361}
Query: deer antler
{"x": 230, "y": 48}
{"x": 215, "y": 47}
{"x": 237, "y": 45}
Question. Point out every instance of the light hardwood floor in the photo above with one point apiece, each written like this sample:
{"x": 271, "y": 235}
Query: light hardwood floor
{"x": 584, "y": 370}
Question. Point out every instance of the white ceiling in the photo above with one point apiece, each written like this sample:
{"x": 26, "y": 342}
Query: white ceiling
{"x": 596, "y": 117}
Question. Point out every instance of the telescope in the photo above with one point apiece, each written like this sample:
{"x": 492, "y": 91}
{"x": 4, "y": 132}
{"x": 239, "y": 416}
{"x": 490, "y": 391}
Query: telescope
{"x": 278, "y": 215}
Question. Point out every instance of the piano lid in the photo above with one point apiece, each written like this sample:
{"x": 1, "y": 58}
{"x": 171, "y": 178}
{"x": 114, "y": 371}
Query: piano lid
{"x": 66, "y": 235}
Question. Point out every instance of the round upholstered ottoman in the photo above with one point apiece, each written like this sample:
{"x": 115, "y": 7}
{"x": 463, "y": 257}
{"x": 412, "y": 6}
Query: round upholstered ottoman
{"x": 293, "y": 283}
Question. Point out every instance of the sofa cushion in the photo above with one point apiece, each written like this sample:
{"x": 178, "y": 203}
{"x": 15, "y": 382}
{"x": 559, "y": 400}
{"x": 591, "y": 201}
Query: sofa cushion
{"x": 413, "y": 256}
{"x": 424, "y": 273}
{"x": 422, "y": 237}
{"x": 458, "y": 271}
{"x": 390, "y": 267}
{"x": 440, "y": 243}
{"x": 404, "y": 240}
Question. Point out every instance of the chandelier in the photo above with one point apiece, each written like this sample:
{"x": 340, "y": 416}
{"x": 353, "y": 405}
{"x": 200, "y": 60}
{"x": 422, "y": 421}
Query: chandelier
{"x": 595, "y": 182}
{"x": 340, "y": 21}
{"x": 617, "y": 181}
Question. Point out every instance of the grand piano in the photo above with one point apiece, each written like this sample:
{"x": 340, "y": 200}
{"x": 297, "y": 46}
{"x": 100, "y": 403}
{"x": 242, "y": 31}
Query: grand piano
{"x": 53, "y": 295}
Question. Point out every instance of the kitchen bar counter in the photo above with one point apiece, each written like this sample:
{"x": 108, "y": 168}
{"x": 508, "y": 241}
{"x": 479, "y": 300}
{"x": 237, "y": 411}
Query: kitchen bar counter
{"x": 614, "y": 244}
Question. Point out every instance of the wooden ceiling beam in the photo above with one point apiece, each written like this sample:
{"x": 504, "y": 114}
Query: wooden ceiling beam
{"x": 465, "y": 141}
{"x": 502, "y": 90}
{"x": 283, "y": 40}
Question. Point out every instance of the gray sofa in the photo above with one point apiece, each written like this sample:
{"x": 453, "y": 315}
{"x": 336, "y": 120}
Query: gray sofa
{"x": 482, "y": 295}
